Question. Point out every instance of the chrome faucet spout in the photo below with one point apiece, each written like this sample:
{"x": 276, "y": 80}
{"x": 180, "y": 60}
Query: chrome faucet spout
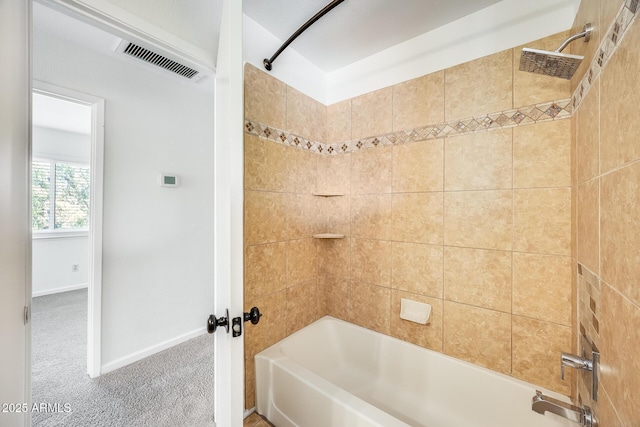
{"x": 541, "y": 404}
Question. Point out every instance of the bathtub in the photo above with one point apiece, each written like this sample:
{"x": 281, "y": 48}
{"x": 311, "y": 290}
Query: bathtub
{"x": 334, "y": 373}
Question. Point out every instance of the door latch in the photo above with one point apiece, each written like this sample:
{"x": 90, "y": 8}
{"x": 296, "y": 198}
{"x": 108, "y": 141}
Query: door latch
{"x": 213, "y": 323}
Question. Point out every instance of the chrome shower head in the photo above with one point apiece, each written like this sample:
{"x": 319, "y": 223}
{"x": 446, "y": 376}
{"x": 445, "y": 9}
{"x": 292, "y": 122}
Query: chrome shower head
{"x": 556, "y": 63}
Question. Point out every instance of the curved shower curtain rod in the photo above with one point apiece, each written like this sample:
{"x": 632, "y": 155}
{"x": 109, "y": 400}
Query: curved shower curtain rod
{"x": 268, "y": 62}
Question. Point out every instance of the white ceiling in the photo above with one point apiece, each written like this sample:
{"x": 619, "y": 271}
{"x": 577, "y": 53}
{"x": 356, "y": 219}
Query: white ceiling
{"x": 355, "y": 29}
{"x": 55, "y": 113}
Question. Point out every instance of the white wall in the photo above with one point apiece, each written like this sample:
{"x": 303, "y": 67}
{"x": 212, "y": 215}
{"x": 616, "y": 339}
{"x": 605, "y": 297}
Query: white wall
{"x": 158, "y": 242}
{"x": 52, "y": 263}
{"x": 290, "y": 67}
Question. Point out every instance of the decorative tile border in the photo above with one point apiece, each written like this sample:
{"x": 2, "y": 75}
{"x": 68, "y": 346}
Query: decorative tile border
{"x": 628, "y": 11}
{"x": 554, "y": 110}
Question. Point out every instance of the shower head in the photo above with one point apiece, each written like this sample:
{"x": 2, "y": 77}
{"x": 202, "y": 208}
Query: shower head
{"x": 556, "y": 63}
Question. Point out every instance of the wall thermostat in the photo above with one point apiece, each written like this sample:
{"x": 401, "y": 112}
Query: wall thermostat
{"x": 167, "y": 180}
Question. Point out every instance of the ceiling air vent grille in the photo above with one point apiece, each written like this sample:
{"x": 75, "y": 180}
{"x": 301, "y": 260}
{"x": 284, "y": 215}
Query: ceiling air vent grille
{"x": 158, "y": 60}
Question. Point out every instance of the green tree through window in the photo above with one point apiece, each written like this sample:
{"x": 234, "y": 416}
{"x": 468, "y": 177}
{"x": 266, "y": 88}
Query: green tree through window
{"x": 66, "y": 205}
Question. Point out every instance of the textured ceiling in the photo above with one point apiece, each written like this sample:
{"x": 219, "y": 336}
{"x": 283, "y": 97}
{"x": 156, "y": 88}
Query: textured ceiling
{"x": 355, "y": 29}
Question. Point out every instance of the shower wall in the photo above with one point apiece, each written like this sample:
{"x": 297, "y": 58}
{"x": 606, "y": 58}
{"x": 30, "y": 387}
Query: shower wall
{"x": 470, "y": 216}
{"x": 477, "y": 224}
{"x": 280, "y": 216}
{"x": 606, "y": 187}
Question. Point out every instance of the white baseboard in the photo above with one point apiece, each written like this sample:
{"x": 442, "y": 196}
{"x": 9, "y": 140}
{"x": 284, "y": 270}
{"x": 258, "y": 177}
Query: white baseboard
{"x": 59, "y": 290}
{"x": 141, "y": 354}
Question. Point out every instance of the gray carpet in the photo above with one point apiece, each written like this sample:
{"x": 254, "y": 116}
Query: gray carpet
{"x": 173, "y": 388}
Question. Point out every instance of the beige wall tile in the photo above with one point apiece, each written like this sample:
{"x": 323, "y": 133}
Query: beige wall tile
{"x": 478, "y": 277}
{"x": 542, "y": 155}
{"x": 334, "y": 174}
{"x": 417, "y": 217}
{"x": 604, "y": 410}
{"x": 619, "y": 124}
{"x": 334, "y": 257}
{"x": 542, "y": 221}
{"x": 264, "y": 164}
{"x": 265, "y": 217}
{"x": 301, "y": 261}
{"x": 338, "y": 298}
{"x": 588, "y": 135}
{"x": 371, "y": 306}
{"x": 587, "y": 13}
{"x": 306, "y": 116}
{"x": 620, "y": 373}
{"x": 478, "y": 219}
{"x": 588, "y": 225}
{"x": 265, "y": 269}
{"x": 418, "y": 167}
{"x": 301, "y": 171}
{"x": 417, "y": 268}
{"x": 371, "y": 261}
{"x": 270, "y": 330}
{"x": 250, "y": 389}
{"x": 620, "y": 230}
{"x": 478, "y": 161}
{"x": 371, "y": 114}
{"x": 371, "y": 216}
{"x": 371, "y": 170}
{"x": 339, "y": 122}
{"x": 479, "y": 87}
{"x": 608, "y": 11}
{"x": 429, "y": 335}
{"x": 574, "y": 221}
{"x": 334, "y": 215}
{"x": 302, "y": 306}
{"x": 542, "y": 287}
{"x": 536, "y": 353}
{"x": 301, "y": 216}
{"x": 419, "y": 102}
{"x": 265, "y": 98}
{"x": 529, "y": 88}
{"x": 466, "y": 326}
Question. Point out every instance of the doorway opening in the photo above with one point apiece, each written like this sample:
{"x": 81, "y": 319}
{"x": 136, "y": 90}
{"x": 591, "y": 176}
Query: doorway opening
{"x": 66, "y": 183}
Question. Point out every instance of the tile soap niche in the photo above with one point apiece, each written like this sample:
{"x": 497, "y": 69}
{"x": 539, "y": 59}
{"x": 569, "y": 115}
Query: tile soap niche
{"x": 328, "y": 235}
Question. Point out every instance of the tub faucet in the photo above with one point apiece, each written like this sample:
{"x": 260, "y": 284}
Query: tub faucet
{"x": 583, "y": 416}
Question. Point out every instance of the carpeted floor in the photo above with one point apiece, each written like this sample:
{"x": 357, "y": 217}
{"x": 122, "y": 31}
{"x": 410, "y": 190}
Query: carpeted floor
{"x": 173, "y": 388}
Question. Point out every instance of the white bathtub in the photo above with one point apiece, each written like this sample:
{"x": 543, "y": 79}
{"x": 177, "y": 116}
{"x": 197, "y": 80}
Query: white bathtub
{"x": 333, "y": 373}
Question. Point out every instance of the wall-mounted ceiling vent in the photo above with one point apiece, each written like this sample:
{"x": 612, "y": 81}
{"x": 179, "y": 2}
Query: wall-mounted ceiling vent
{"x": 158, "y": 60}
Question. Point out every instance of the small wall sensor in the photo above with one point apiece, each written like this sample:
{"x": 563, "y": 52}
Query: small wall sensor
{"x": 167, "y": 180}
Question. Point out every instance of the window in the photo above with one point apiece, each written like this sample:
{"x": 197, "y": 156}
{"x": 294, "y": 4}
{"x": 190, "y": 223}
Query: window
{"x": 60, "y": 195}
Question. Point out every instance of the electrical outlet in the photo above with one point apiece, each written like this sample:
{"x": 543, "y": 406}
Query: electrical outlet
{"x": 75, "y": 268}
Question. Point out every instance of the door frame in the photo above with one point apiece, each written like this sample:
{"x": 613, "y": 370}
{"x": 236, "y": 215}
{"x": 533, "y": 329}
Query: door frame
{"x": 96, "y": 170}
{"x": 229, "y": 216}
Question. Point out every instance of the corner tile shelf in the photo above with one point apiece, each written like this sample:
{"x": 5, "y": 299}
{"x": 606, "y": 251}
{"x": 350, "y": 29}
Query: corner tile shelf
{"x": 328, "y": 236}
{"x": 328, "y": 194}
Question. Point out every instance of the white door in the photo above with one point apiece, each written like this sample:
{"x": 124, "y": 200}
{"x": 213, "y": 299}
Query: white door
{"x": 229, "y": 166}
{"x": 15, "y": 201}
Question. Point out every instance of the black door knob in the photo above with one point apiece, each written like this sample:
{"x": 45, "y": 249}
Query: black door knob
{"x": 254, "y": 315}
{"x": 213, "y": 323}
